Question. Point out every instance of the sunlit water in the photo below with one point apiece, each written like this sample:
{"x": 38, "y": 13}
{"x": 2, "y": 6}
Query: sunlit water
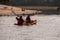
{"x": 47, "y": 28}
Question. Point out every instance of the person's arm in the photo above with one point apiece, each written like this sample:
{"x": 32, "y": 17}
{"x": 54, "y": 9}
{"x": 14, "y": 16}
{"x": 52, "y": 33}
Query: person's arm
{"x": 17, "y": 18}
{"x": 22, "y": 20}
{"x": 30, "y": 19}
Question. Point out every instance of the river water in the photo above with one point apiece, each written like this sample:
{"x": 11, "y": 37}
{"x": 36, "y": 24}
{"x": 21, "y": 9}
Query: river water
{"x": 47, "y": 28}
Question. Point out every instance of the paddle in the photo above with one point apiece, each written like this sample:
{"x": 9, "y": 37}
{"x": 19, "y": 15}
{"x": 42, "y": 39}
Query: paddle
{"x": 14, "y": 13}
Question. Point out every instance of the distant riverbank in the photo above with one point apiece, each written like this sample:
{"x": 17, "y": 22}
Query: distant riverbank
{"x": 39, "y": 7}
{"x": 25, "y": 10}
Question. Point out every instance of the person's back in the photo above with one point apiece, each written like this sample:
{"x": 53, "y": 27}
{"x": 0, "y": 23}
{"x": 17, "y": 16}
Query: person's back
{"x": 20, "y": 20}
{"x": 28, "y": 20}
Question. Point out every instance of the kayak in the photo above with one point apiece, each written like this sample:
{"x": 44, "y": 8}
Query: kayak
{"x": 33, "y": 22}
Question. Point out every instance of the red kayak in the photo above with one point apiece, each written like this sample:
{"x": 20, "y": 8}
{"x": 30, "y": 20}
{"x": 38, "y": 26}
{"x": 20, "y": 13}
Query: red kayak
{"x": 24, "y": 23}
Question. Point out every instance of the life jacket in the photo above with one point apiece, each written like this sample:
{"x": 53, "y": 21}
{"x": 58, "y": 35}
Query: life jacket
{"x": 20, "y": 21}
{"x": 28, "y": 19}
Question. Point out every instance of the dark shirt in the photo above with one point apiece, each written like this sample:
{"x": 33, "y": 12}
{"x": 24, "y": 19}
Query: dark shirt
{"x": 28, "y": 19}
{"x": 20, "y": 20}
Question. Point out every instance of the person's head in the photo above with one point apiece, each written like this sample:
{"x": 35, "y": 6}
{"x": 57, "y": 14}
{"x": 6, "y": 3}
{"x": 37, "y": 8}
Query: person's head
{"x": 28, "y": 16}
{"x": 20, "y": 16}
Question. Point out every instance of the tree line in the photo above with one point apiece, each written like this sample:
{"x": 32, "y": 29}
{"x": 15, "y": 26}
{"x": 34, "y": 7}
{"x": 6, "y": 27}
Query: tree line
{"x": 28, "y": 2}
{"x": 4, "y": 1}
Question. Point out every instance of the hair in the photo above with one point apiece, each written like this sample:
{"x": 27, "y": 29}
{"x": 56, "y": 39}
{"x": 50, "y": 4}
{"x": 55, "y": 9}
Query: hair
{"x": 20, "y": 16}
{"x": 28, "y": 16}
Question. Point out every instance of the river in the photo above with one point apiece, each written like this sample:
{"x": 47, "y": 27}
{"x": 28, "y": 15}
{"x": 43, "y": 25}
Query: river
{"x": 47, "y": 28}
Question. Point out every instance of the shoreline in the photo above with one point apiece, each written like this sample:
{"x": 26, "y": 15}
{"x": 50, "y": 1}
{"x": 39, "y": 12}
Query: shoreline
{"x": 28, "y": 10}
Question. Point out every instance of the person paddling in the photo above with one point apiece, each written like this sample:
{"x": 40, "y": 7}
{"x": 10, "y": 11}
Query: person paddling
{"x": 28, "y": 20}
{"x": 20, "y": 20}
